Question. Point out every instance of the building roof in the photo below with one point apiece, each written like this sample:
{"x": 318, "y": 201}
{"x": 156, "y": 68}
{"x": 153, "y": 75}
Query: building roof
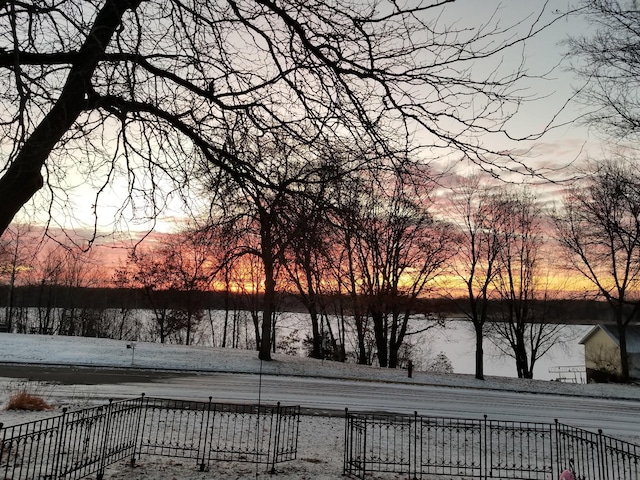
{"x": 633, "y": 336}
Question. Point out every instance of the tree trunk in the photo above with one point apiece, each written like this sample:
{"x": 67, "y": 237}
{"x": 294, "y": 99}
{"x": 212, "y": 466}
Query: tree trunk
{"x": 312, "y": 306}
{"x": 381, "y": 337}
{"x": 268, "y": 309}
{"x": 523, "y": 358}
{"x": 255, "y": 318}
{"x": 226, "y": 296}
{"x": 362, "y": 347}
{"x": 224, "y": 327}
{"x": 9, "y": 309}
{"x": 310, "y": 303}
{"x": 189, "y": 326}
{"x": 479, "y": 351}
{"x": 317, "y": 339}
{"x": 394, "y": 347}
{"x": 357, "y": 315}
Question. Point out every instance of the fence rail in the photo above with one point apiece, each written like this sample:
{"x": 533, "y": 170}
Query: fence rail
{"x": 423, "y": 447}
{"x": 77, "y": 444}
{"x": 208, "y": 432}
{"x": 81, "y": 443}
{"x": 598, "y": 456}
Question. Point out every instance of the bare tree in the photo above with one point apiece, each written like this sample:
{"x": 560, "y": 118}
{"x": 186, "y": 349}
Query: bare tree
{"x": 384, "y": 250}
{"x": 480, "y": 245}
{"x": 599, "y": 229}
{"x": 154, "y": 277}
{"x": 124, "y": 325}
{"x": 522, "y": 328}
{"x": 249, "y": 277}
{"x": 306, "y": 260}
{"x": 401, "y": 249}
{"x": 226, "y": 280}
{"x": 18, "y": 250}
{"x": 79, "y": 270}
{"x": 260, "y": 213}
{"x": 345, "y": 220}
{"x": 45, "y": 276}
{"x": 606, "y": 57}
{"x": 317, "y": 219}
{"x": 137, "y": 90}
{"x": 59, "y": 274}
{"x": 188, "y": 261}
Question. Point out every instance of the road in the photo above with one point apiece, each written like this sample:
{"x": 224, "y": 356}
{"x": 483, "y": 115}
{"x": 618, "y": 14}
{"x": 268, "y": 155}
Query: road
{"x": 332, "y": 396}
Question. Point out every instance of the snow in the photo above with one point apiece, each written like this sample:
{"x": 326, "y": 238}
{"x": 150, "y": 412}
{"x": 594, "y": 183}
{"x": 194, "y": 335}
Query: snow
{"x": 321, "y": 437}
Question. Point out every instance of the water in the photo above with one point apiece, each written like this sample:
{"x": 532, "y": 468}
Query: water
{"x": 456, "y": 339}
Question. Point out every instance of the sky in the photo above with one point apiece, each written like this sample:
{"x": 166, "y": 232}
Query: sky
{"x": 568, "y": 143}
{"x": 561, "y": 146}
{"x": 564, "y": 144}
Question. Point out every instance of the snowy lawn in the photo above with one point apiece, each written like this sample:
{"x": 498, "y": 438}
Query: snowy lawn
{"x": 320, "y": 457}
{"x": 320, "y": 449}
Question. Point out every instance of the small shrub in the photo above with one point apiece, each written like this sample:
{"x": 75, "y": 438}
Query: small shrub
{"x": 441, "y": 364}
{"x": 23, "y": 400}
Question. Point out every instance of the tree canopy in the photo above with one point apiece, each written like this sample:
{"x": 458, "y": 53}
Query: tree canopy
{"x": 606, "y": 58}
{"x": 135, "y": 91}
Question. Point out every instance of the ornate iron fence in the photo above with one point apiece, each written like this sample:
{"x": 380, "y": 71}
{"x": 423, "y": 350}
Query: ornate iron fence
{"x": 597, "y": 456}
{"x": 209, "y": 432}
{"x": 73, "y": 445}
{"x": 84, "y": 442}
{"x": 422, "y": 447}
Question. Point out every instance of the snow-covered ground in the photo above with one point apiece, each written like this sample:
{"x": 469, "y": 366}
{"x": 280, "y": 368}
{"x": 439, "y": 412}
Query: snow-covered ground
{"x": 321, "y": 438}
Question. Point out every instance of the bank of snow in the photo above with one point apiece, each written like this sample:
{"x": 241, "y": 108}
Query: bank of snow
{"x": 99, "y": 352}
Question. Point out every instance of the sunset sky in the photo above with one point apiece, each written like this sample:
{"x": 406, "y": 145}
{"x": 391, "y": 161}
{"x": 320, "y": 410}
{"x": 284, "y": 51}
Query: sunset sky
{"x": 568, "y": 143}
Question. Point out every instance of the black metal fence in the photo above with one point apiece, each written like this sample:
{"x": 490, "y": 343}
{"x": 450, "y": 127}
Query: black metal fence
{"x": 84, "y": 442}
{"x": 209, "y": 432}
{"x": 423, "y": 447}
{"x": 596, "y": 455}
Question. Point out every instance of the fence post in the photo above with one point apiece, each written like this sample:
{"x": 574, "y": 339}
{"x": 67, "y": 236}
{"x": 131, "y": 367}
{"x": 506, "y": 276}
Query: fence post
{"x": 2, "y": 446}
{"x": 139, "y": 431}
{"x": 557, "y": 449}
{"x": 57, "y": 452}
{"x": 602, "y": 463}
{"x": 346, "y": 441}
{"x": 206, "y": 411}
{"x": 484, "y": 448}
{"x": 551, "y": 451}
{"x": 105, "y": 439}
{"x": 415, "y": 447}
{"x": 276, "y": 440}
{"x": 364, "y": 447}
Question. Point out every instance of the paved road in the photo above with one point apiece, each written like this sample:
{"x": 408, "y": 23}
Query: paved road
{"x": 79, "y": 375}
{"x": 615, "y": 417}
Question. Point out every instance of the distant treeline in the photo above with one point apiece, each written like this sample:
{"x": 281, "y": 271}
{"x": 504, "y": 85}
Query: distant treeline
{"x": 556, "y": 311}
{"x": 103, "y": 298}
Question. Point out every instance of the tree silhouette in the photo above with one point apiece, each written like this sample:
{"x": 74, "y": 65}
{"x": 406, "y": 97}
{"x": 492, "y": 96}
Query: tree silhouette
{"x": 606, "y": 58}
{"x": 599, "y": 228}
{"x": 127, "y": 94}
